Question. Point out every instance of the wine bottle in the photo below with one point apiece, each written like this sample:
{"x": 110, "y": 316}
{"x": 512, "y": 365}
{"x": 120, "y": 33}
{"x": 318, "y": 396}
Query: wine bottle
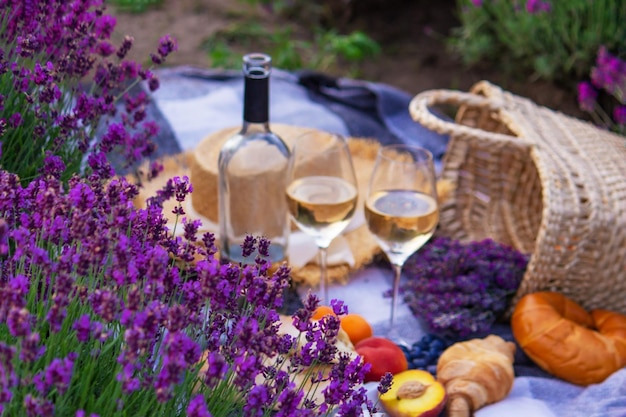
{"x": 252, "y": 173}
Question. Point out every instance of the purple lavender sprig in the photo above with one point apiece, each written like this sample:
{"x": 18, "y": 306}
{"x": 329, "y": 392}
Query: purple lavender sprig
{"x": 462, "y": 289}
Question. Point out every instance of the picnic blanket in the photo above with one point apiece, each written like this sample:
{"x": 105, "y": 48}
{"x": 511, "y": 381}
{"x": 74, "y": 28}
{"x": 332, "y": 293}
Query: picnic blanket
{"x": 193, "y": 102}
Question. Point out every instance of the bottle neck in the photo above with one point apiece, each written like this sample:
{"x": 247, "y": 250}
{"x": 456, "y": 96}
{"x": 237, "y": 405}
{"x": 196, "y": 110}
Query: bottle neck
{"x": 249, "y": 128}
{"x": 256, "y": 101}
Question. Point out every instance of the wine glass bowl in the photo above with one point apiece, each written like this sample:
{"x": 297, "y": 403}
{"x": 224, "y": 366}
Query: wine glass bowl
{"x": 322, "y": 206}
{"x": 401, "y": 207}
{"x": 321, "y": 191}
{"x": 402, "y": 221}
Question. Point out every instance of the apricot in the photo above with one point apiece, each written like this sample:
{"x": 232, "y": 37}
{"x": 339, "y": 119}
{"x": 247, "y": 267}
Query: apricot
{"x": 357, "y": 327}
{"x": 322, "y": 311}
{"x": 414, "y": 393}
{"x": 354, "y": 325}
{"x": 384, "y": 356}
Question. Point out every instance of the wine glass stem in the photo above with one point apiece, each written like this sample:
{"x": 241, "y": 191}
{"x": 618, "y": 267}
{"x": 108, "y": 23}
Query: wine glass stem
{"x": 323, "y": 275}
{"x": 397, "y": 271}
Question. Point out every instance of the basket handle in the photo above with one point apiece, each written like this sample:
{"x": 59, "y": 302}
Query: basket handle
{"x": 420, "y": 104}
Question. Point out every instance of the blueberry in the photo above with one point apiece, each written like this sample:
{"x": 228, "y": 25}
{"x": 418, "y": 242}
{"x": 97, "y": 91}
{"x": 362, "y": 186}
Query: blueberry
{"x": 437, "y": 343}
{"x": 434, "y": 351}
{"x": 431, "y": 357}
{"x": 419, "y": 363}
{"x": 424, "y": 344}
{"x": 415, "y": 351}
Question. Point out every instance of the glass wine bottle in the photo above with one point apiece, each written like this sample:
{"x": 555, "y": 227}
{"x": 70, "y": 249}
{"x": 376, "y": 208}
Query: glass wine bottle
{"x": 252, "y": 171}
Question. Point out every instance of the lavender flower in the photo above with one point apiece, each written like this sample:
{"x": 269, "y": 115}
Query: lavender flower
{"x": 587, "y": 96}
{"x": 610, "y": 74}
{"x": 248, "y": 246}
{"x": 538, "y": 6}
{"x": 167, "y": 45}
{"x": 385, "y": 383}
{"x": 57, "y": 375}
{"x": 38, "y": 407}
{"x": 18, "y": 322}
{"x": 30, "y": 349}
{"x": 197, "y": 407}
{"x": 4, "y": 237}
{"x": 619, "y": 115}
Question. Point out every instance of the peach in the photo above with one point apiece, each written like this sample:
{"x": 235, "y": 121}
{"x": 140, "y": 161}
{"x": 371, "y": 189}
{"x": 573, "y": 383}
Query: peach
{"x": 414, "y": 393}
{"x": 384, "y": 356}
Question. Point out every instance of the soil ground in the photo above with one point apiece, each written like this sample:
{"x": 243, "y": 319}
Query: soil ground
{"x": 411, "y": 33}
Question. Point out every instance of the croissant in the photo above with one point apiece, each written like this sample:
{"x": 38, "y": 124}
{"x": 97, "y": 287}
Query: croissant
{"x": 565, "y": 340}
{"x": 476, "y": 373}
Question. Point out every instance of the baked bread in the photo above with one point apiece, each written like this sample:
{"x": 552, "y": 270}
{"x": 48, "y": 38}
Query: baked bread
{"x": 565, "y": 340}
{"x": 475, "y": 373}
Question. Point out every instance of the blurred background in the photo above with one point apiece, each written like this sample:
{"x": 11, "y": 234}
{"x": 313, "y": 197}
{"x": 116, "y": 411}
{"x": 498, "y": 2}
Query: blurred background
{"x": 564, "y": 54}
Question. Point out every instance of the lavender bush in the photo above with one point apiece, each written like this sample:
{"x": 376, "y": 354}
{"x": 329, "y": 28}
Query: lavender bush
{"x": 553, "y": 40}
{"x": 60, "y": 80}
{"x": 105, "y": 311}
{"x": 460, "y": 290}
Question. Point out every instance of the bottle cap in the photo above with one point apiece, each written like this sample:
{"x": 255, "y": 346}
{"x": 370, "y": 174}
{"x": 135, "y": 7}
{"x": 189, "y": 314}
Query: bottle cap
{"x": 257, "y": 65}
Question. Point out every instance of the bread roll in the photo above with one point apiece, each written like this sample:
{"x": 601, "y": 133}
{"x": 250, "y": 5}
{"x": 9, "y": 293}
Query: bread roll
{"x": 475, "y": 373}
{"x": 568, "y": 342}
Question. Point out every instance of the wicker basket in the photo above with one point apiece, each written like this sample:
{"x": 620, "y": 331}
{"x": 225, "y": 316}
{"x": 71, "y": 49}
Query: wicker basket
{"x": 547, "y": 184}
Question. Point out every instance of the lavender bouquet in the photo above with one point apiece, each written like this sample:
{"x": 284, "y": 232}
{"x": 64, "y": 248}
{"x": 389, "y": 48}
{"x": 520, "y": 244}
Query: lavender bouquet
{"x": 460, "y": 290}
{"x": 105, "y": 311}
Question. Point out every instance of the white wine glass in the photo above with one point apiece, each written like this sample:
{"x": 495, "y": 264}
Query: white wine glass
{"x": 401, "y": 208}
{"x": 321, "y": 191}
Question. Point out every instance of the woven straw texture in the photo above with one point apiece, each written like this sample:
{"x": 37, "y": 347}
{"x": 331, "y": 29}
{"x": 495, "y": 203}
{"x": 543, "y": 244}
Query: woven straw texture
{"x": 547, "y": 184}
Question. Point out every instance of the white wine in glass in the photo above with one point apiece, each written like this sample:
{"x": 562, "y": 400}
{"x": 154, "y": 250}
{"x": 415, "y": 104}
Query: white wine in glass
{"x": 322, "y": 191}
{"x": 401, "y": 208}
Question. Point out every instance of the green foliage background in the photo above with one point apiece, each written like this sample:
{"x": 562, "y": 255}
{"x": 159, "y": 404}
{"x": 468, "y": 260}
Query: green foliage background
{"x": 560, "y": 45}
